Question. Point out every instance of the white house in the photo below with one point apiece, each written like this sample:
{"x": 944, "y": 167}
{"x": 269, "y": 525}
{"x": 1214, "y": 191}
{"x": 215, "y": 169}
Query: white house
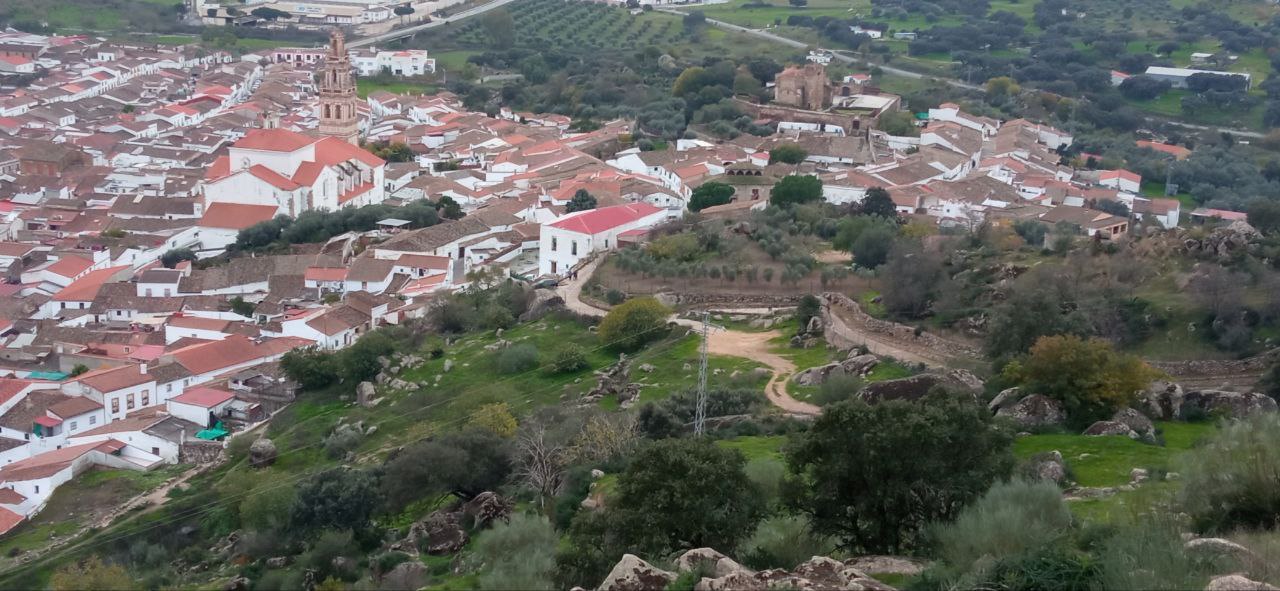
{"x": 200, "y": 405}
{"x": 869, "y": 32}
{"x": 405, "y": 62}
{"x": 574, "y": 236}
{"x": 1121, "y": 179}
{"x": 296, "y": 173}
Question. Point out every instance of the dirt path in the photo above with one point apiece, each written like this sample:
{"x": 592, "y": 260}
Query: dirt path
{"x": 748, "y": 345}
{"x": 755, "y": 346}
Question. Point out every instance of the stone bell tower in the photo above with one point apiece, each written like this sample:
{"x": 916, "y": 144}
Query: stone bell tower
{"x": 338, "y": 116}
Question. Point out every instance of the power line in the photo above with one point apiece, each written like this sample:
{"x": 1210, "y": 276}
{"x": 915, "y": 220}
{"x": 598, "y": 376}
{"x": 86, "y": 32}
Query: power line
{"x": 700, "y": 418}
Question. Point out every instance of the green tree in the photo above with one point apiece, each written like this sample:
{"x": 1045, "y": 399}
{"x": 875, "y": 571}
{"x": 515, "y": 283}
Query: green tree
{"x": 311, "y": 368}
{"x": 360, "y": 361}
{"x": 242, "y": 307}
{"x": 495, "y": 418}
{"x": 848, "y": 474}
{"x": 337, "y": 498}
{"x": 569, "y": 359}
{"x": 500, "y": 27}
{"x": 633, "y": 323}
{"x": 461, "y": 463}
{"x": 173, "y": 256}
{"x": 1264, "y": 214}
{"x": 1089, "y": 377}
{"x": 92, "y": 575}
{"x": 581, "y": 201}
{"x": 1000, "y": 88}
{"x": 899, "y": 123}
{"x": 878, "y": 202}
{"x": 710, "y": 194}
{"x": 678, "y": 494}
{"x": 808, "y": 307}
{"x": 912, "y": 277}
{"x": 787, "y": 154}
{"x": 871, "y": 248}
{"x": 518, "y": 554}
{"x": 795, "y": 189}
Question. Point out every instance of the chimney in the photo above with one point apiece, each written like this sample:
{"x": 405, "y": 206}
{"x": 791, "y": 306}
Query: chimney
{"x": 143, "y": 368}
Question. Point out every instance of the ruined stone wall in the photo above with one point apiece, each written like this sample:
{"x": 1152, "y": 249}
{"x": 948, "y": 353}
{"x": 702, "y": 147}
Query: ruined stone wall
{"x": 845, "y": 325}
{"x": 200, "y": 452}
{"x": 1214, "y": 368}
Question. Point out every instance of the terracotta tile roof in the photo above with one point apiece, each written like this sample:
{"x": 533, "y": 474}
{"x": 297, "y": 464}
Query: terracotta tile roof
{"x": 331, "y": 150}
{"x": 9, "y": 519}
{"x": 50, "y": 463}
{"x": 276, "y": 179}
{"x": 115, "y": 378}
{"x": 8, "y": 496}
{"x": 70, "y": 266}
{"x": 204, "y": 397}
{"x": 12, "y": 387}
{"x": 236, "y": 216}
{"x": 275, "y": 140}
{"x": 75, "y": 406}
{"x": 86, "y": 288}
{"x": 325, "y": 274}
{"x": 600, "y": 220}
{"x": 231, "y": 351}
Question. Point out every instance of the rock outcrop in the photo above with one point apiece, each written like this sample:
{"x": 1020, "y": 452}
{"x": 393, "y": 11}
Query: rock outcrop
{"x": 1104, "y": 428}
{"x": 262, "y": 453}
{"x": 1036, "y": 410}
{"x": 1137, "y": 422}
{"x": 958, "y": 382}
{"x": 1236, "y": 405}
{"x": 634, "y": 574}
{"x": 1046, "y": 466}
{"x": 817, "y": 574}
{"x": 488, "y": 507}
{"x": 1213, "y": 548}
{"x": 855, "y": 365}
{"x": 1238, "y": 583}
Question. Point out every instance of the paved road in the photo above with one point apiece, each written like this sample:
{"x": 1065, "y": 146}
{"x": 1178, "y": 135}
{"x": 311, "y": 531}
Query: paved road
{"x": 408, "y": 31}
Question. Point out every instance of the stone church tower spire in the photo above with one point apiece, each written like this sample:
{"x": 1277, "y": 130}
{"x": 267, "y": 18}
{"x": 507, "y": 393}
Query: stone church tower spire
{"x": 338, "y": 93}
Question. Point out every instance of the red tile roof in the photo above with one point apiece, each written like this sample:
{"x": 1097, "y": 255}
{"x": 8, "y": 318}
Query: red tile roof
{"x": 231, "y": 351}
{"x": 70, "y": 266}
{"x": 11, "y": 387}
{"x": 85, "y": 289}
{"x": 331, "y": 150}
{"x": 275, "y": 140}
{"x": 204, "y": 397}
{"x": 114, "y": 378}
{"x": 50, "y": 463}
{"x": 325, "y": 274}
{"x": 9, "y": 520}
{"x": 8, "y": 496}
{"x": 600, "y": 220}
{"x": 236, "y": 216}
{"x": 276, "y": 179}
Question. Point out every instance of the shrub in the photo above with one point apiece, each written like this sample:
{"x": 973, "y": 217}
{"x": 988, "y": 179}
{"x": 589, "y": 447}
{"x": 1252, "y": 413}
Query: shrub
{"x": 569, "y": 359}
{"x": 767, "y": 474}
{"x": 634, "y": 323}
{"x": 518, "y": 554}
{"x": 1233, "y": 481}
{"x": 1011, "y": 519}
{"x": 1089, "y": 377}
{"x": 341, "y": 441}
{"x": 516, "y": 359}
{"x": 783, "y": 542}
{"x": 614, "y": 297}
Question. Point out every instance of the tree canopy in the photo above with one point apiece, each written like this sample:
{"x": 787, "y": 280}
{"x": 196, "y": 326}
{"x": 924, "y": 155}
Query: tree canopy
{"x": 795, "y": 189}
{"x": 848, "y": 472}
{"x": 581, "y": 201}
{"x": 1089, "y": 377}
{"x": 633, "y": 323}
{"x": 710, "y": 194}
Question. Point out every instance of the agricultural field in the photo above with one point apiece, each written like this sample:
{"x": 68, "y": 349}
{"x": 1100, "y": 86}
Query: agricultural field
{"x": 74, "y": 16}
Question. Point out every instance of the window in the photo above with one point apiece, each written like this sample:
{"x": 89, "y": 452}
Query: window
{"x": 146, "y": 398}
{"x": 168, "y": 387}
{"x": 73, "y": 426}
{"x": 573, "y": 248}
{"x": 128, "y": 403}
{"x": 148, "y": 292}
{"x": 553, "y": 244}
{"x": 93, "y": 419}
{"x": 115, "y": 405}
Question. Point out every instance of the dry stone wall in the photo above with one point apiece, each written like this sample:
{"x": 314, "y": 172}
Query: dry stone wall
{"x": 845, "y": 325}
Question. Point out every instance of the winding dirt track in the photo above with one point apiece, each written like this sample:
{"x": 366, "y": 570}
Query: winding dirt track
{"x": 748, "y": 345}
{"x": 755, "y": 346}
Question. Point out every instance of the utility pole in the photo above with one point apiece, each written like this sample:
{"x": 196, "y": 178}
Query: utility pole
{"x": 700, "y": 419}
